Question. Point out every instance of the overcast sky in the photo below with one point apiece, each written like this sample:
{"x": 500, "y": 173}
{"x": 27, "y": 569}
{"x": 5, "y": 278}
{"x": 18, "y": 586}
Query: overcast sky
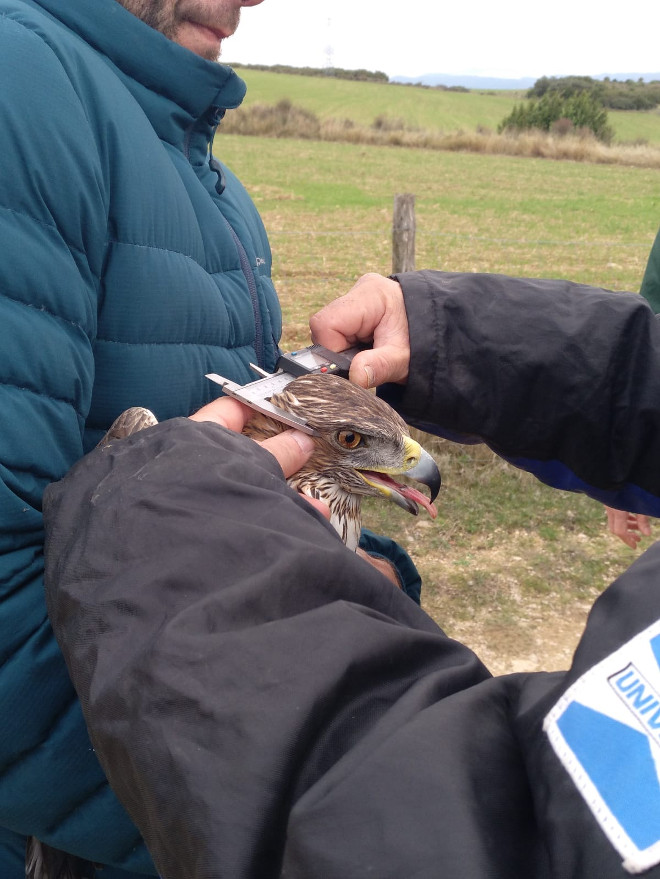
{"x": 508, "y": 38}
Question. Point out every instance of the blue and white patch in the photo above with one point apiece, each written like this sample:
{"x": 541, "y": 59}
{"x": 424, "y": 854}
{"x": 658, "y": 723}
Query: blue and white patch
{"x": 606, "y": 731}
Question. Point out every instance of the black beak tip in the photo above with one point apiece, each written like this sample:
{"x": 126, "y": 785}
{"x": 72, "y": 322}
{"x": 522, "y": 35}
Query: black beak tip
{"x": 434, "y": 485}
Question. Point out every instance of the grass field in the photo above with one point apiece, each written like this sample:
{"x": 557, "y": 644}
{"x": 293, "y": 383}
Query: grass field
{"x": 432, "y": 109}
{"x": 510, "y": 566}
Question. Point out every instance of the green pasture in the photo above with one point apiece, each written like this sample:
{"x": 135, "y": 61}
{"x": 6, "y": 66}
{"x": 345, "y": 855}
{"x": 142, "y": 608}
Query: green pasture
{"x": 510, "y": 565}
{"x": 430, "y": 109}
{"x": 328, "y": 209}
{"x": 636, "y": 126}
{"x": 362, "y": 102}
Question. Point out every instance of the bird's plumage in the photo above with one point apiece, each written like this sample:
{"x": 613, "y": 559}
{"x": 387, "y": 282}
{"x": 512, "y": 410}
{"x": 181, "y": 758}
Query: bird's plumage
{"x": 129, "y": 422}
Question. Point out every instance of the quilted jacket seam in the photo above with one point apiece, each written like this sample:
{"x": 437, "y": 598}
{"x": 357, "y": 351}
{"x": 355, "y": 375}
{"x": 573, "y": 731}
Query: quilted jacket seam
{"x": 43, "y": 309}
{"x": 26, "y": 389}
{"x": 169, "y": 344}
{"x": 160, "y": 249}
{"x": 70, "y": 701}
{"x": 51, "y": 227}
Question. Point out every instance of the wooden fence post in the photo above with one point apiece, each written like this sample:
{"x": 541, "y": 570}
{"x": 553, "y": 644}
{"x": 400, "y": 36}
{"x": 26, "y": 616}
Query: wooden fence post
{"x": 403, "y": 233}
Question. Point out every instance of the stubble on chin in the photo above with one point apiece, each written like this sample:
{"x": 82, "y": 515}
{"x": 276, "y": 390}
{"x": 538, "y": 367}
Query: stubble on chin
{"x": 158, "y": 14}
{"x": 168, "y": 16}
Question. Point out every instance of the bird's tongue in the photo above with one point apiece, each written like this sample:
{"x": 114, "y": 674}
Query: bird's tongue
{"x": 417, "y": 497}
{"x": 406, "y": 491}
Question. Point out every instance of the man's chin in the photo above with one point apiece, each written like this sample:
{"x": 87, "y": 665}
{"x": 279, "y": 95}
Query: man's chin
{"x": 199, "y": 39}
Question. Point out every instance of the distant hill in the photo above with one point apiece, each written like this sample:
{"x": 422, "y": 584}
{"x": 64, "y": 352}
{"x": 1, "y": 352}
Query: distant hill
{"x": 491, "y": 82}
{"x": 468, "y": 82}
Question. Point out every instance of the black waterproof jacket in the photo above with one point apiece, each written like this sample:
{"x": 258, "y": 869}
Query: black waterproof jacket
{"x": 265, "y": 704}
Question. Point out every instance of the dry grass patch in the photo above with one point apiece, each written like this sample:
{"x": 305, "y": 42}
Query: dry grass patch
{"x": 287, "y": 120}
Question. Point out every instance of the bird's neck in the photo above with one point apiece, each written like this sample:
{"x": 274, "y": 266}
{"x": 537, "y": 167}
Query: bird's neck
{"x": 345, "y": 513}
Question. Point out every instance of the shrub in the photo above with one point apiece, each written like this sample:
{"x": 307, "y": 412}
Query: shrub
{"x": 386, "y": 123}
{"x": 561, "y": 127}
{"x": 581, "y": 108}
{"x": 284, "y": 119}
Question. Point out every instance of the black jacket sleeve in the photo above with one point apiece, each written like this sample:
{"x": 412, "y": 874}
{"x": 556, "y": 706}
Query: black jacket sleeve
{"x": 559, "y": 378}
{"x": 227, "y": 649}
{"x": 266, "y": 704}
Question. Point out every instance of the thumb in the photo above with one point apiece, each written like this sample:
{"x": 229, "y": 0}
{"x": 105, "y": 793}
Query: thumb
{"x": 644, "y": 524}
{"x": 291, "y": 448}
{"x": 375, "y": 366}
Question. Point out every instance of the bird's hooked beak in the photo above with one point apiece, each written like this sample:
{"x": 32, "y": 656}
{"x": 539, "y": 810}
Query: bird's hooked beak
{"x": 416, "y": 464}
{"x": 426, "y": 471}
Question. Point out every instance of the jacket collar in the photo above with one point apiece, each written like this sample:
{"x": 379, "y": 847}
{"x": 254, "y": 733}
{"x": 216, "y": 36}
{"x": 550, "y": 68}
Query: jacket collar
{"x": 179, "y": 91}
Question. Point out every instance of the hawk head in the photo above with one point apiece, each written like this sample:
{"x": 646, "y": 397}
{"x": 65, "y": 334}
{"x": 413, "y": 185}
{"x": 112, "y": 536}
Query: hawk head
{"x": 361, "y": 443}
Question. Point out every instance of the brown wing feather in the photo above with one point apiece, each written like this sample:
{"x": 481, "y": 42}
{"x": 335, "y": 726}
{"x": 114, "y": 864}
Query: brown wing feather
{"x": 129, "y": 422}
{"x": 44, "y": 862}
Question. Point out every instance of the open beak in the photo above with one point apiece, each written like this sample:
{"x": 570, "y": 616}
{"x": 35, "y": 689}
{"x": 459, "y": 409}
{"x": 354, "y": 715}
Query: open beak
{"x": 419, "y": 466}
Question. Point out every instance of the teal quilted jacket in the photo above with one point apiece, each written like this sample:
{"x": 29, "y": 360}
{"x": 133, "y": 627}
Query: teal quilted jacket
{"x": 131, "y": 264}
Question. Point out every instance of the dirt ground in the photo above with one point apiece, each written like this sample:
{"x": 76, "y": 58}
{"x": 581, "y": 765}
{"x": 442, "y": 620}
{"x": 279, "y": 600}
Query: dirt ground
{"x": 510, "y": 626}
{"x": 543, "y": 641}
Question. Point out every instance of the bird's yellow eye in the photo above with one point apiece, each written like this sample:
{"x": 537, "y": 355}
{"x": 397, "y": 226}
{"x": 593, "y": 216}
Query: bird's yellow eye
{"x": 349, "y": 439}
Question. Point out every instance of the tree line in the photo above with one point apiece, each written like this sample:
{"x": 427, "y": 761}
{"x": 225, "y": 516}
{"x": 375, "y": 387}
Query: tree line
{"x": 359, "y": 75}
{"x": 612, "y": 94}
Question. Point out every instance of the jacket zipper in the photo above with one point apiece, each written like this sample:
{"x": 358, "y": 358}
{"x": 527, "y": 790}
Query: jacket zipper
{"x": 252, "y": 287}
{"x": 246, "y": 268}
